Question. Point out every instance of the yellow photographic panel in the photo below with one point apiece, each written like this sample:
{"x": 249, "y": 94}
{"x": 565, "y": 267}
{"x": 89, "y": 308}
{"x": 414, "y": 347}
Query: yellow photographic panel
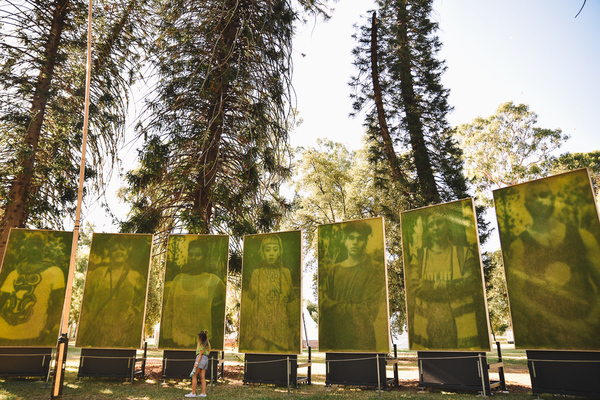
{"x": 271, "y": 303}
{"x": 114, "y": 296}
{"x": 32, "y": 287}
{"x": 194, "y": 295}
{"x": 445, "y": 296}
{"x": 550, "y": 237}
{"x": 353, "y": 301}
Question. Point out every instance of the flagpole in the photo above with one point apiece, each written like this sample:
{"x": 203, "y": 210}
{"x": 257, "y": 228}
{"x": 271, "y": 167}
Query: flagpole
{"x": 63, "y": 340}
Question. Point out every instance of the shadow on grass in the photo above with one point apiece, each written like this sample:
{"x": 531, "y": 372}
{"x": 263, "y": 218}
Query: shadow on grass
{"x": 153, "y": 387}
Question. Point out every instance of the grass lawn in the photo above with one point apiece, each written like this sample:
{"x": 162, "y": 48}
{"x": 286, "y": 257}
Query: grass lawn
{"x": 231, "y": 388}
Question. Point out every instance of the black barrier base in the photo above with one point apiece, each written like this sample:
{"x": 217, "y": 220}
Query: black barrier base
{"x": 177, "y": 364}
{"x": 109, "y": 363}
{"x": 355, "y": 369}
{"x": 455, "y": 370}
{"x": 570, "y": 373}
{"x": 25, "y": 362}
{"x": 271, "y": 369}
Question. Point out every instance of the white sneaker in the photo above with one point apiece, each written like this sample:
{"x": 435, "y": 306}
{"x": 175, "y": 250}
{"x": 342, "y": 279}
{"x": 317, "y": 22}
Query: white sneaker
{"x": 201, "y": 395}
{"x": 190, "y": 395}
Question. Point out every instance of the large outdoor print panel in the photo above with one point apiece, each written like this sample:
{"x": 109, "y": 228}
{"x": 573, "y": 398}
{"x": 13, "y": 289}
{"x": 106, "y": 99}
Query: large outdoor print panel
{"x": 271, "y": 293}
{"x": 353, "y": 301}
{"x": 114, "y": 295}
{"x": 550, "y": 237}
{"x": 445, "y": 297}
{"x": 32, "y": 287}
{"x": 194, "y": 293}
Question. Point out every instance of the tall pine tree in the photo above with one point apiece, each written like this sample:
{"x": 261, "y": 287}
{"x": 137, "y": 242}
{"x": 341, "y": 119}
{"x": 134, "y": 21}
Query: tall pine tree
{"x": 399, "y": 87}
{"x": 215, "y": 145}
{"x": 42, "y": 77}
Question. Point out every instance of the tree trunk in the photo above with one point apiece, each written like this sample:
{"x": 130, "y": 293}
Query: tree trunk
{"x": 105, "y": 49}
{"x": 16, "y": 212}
{"x": 209, "y": 158}
{"x": 413, "y": 112}
{"x": 388, "y": 145}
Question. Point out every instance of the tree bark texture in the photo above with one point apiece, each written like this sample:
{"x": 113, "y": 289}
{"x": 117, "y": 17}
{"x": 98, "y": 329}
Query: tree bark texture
{"x": 413, "y": 112}
{"x": 16, "y": 212}
{"x": 388, "y": 145}
{"x": 209, "y": 159}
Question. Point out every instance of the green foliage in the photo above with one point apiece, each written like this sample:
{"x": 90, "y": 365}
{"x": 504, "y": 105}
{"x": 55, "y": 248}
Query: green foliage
{"x": 506, "y": 148}
{"x": 42, "y": 81}
{"x": 572, "y": 161}
{"x": 155, "y": 291}
{"x": 334, "y": 184}
{"x": 497, "y": 296}
{"x": 313, "y": 310}
{"x": 81, "y": 261}
{"x": 414, "y": 101}
{"x": 215, "y": 148}
{"x": 415, "y": 107}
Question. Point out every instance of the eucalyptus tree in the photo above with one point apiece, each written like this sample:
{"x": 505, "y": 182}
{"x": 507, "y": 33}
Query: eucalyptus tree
{"x": 398, "y": 86}
{"x": 42, "y": 69}
{"x": 506, "y": 148}
{"x": 215, "y": 136}
{"x": 333, "y": 184}
{"x": 571, "y": 161}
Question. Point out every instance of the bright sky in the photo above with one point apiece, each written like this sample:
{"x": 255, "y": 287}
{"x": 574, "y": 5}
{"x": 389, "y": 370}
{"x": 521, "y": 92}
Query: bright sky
{"x": 532, "y": 52}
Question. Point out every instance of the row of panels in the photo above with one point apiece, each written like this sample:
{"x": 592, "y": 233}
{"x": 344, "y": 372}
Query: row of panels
{"x": 549, "y": 231}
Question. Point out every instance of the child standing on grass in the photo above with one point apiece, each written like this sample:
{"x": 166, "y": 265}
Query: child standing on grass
{"x": 200, "y": 365}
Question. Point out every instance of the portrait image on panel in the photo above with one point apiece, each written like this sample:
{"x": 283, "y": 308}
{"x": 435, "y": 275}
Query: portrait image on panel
{"x": 114, "y": 295}
{"x": 550, "y": 238}
{"x": 194, "y": 293}
{"x": 271, "y": 293}
{"x": 445, "y": 296}
{"x": 32, "y": 286}
{"x": 353, "y": 301}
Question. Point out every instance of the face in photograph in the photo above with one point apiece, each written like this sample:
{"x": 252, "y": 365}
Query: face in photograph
{"x": 115, "y": 291}
{"x": 271, "y": 293}
{"x": 32, "y": 287}
{"x": 552, "y": 261}
{"x": 353, "y": 313}
{"x": 195, "y": 291}
{"x": 444, "y": 287}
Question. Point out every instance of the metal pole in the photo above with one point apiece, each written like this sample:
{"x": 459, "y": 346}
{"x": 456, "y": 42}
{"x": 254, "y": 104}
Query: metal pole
{"x": 305, "y": 330}
{"x": 63, "y": 340}
{"x": 132, "y": 370}
{"x": 396, "y": 376}
{"x": 482, "y": 377}
{"x": 378, "y": 376}
{"x": 223, "y": 365}
{"x": 501, "y": 369}
{"x": 288, "y": 373}
{"x": 213, "y": 373}
{"x": 309, "y": 365}
{"x": 144, "y": 361}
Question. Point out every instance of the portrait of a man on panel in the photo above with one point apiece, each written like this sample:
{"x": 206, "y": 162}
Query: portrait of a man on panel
{"x": 195, "y": 291}
{"x": 32, "y": 286}
{"x": 271, "y": 293}
{"x": 114, "y": 296}
{"x": 353, "y": 306}
{"x": 550, "y": 237}
{"x": 445, "y": 296}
